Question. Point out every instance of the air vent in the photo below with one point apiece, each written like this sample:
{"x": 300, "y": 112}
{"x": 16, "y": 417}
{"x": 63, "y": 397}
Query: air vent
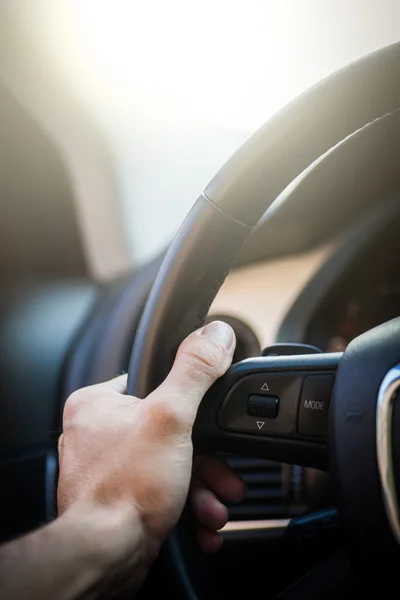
{"x": 273, "y": 490}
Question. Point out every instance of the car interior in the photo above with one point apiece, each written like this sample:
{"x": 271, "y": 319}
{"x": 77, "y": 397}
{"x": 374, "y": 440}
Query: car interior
{"x": 295, "y": 243}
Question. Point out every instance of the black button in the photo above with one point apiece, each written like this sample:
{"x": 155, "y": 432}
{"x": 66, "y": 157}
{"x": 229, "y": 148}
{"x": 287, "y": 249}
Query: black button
{"x": 234, "y": 415}
{"x": 314, "y": 405}
{"x": 263, "y": 406}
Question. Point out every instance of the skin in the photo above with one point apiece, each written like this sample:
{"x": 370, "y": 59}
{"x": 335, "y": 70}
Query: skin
{"x": 126, "y": 470}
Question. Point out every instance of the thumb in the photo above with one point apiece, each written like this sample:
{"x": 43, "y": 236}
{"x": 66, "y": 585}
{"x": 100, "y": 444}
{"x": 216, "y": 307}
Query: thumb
{"x": 204, "y": 356}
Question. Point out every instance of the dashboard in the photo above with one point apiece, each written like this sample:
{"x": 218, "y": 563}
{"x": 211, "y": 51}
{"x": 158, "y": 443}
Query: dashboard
{"x": 325, "y": 297}
{"x": 366, "y": 294}
{"x": 261, "y": 294}
{"x": 370, "y": 300}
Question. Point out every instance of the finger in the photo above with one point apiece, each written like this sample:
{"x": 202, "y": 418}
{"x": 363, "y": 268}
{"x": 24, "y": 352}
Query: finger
{"x": 207, "y": 509}
{"x": 210, "y": 541}
{"x": 203, "y": 357}
{"x": 219, "y": 477}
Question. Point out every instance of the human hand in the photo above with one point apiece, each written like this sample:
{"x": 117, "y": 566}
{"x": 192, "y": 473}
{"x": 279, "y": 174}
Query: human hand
{"x": 133, "y": 457}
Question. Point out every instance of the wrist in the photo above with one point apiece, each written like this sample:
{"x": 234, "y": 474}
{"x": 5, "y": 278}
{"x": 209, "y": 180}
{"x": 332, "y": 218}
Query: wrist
{"x": 112, "y": 541}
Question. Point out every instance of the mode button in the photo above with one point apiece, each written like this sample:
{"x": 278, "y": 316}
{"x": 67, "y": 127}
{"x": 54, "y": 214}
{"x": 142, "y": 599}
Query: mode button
{"x": 314, "y": 405}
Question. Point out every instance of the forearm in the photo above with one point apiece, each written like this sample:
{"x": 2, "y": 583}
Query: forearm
{"x": 84, "y": 554}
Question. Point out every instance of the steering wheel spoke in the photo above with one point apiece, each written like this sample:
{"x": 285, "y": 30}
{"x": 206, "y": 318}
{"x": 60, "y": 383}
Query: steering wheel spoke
{"x": 272, "y": 407}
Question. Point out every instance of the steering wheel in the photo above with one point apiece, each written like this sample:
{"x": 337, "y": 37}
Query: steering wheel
{"x": 329, "y": 411}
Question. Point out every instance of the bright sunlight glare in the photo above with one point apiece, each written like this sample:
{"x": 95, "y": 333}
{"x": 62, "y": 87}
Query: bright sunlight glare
{"x": 175, "y": 86}
{"x": 213, "y": 58}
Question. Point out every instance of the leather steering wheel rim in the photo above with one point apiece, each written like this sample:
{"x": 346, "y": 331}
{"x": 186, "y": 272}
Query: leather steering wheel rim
{"x": 219, "y": 223}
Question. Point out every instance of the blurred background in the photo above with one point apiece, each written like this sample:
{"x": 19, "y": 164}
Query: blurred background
{"x": 144, "y": 100}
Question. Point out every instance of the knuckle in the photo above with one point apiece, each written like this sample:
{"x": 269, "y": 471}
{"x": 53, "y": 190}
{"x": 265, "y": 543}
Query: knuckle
{"x": 205, "y": 360}
{"x": 73, "y": 406}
